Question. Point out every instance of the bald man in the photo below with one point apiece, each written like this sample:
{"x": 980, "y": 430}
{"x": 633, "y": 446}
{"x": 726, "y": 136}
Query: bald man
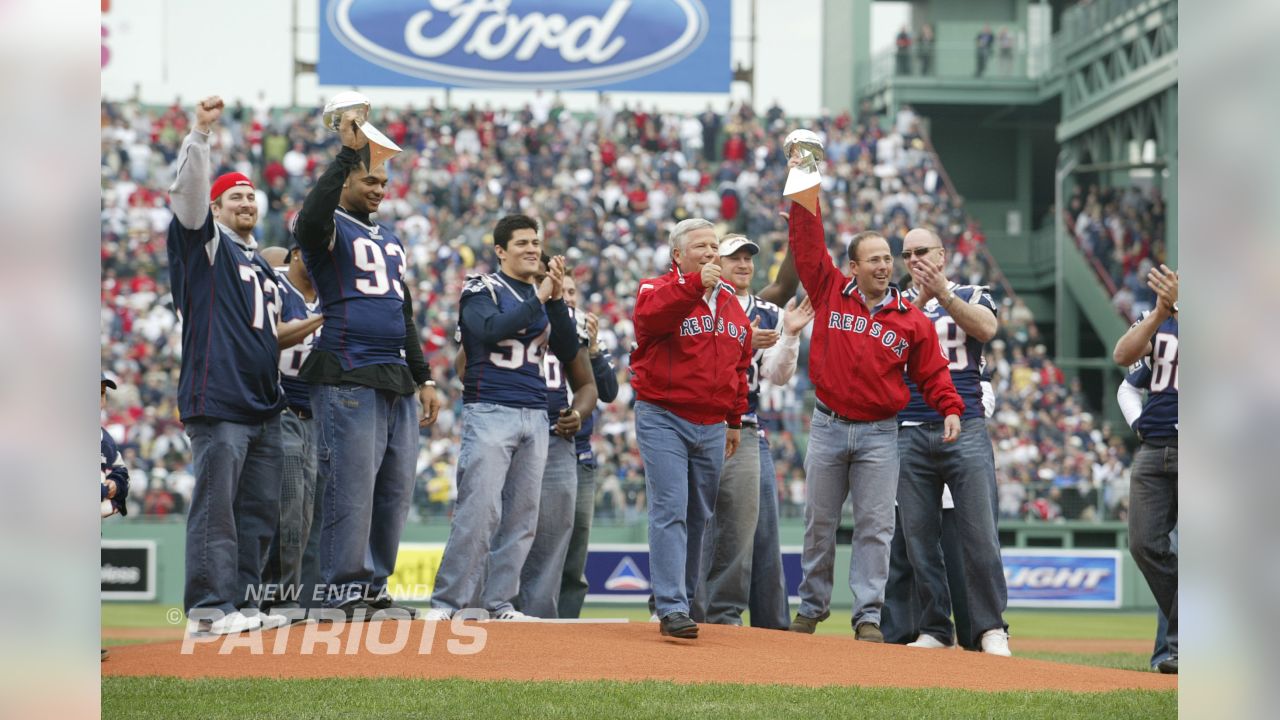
{"x": 965, "y": 319}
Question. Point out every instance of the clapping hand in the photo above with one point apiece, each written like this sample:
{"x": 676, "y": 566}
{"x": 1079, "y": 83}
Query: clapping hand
{"x": 928, "y": 279}
{"x": 796, "y": 317}
{"x": 762, "y": 338}
{"x": 555, "y": 273}
{"x": 1164, "y": 282}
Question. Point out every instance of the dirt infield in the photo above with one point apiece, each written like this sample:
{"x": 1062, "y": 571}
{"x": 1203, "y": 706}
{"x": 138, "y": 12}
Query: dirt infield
{"x": 633, "y": 651}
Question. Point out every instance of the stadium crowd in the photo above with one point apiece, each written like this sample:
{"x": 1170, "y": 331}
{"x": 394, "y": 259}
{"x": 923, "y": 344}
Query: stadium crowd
{"x": 606, "y": 185}
{"x": 1122, "y": 231}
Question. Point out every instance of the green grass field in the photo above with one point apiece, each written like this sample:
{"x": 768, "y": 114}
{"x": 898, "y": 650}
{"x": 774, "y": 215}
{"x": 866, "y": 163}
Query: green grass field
{"x": 389, "y": 698}
{"x": 213, "y": 699}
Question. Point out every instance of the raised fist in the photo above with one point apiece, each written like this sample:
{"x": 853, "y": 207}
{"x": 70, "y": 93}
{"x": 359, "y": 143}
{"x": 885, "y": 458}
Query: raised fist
{"x": 208, "y": 111}
{"x": 710, "y": 275}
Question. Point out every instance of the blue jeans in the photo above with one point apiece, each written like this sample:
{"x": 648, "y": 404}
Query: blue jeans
{"x": 310, "y": 573}
{"x": 504, "y": 450}
{"x": 1165, "y": 643}
{"x": 724, "y": 588}
{"x": 1153, "y": 514}
{"x": 768, "y": 604}
{"x": 544, "y": 566}
{"x": 900, "y": 617}
{"x": 234, "y": 509}
{"x": 368, "y": 451}
{"x": 849, "y": 459}
{"x": 297, "y": 496}
{"x": 967, "y": 467}
{"x": 573, "y": 582}
{"x": 682, "y": 464}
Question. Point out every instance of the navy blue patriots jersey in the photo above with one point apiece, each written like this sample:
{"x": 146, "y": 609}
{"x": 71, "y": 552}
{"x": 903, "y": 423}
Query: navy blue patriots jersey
{"x": 507, "y": 370}
{"x": 229, "y": 303}
{"x": 359, "y": 280}
{"x": 963, "y": 354}
{"x": 113, "y": 469}
{"x": 770, "y": 317}
{"x": 602, "y": 368}
{"x": 1157, "y": 373}
{"x": 294, "y": 306}
{"x": 558, "y": 391}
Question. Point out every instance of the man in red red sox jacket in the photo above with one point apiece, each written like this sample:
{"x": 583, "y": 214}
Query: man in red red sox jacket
{"x": 864, "y": 336}
{"x": 693, "y": 347}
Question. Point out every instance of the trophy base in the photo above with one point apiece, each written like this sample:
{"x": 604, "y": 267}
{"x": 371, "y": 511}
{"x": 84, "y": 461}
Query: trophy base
{"x": 807, "y": 198}
{"x": 381, "y": 148}
{"x": 802, "y": 187}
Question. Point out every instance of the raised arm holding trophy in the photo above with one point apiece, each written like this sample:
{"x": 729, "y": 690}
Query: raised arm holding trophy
{"x": 380, "y": 147}
{"x": 864, "y": 338}
{"x": 803, "y": 181}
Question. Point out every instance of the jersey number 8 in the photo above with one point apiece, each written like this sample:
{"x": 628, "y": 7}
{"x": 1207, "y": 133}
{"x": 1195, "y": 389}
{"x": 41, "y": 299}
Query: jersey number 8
{"x": 952, "y": 341}
{"x": 1164, "y": 368}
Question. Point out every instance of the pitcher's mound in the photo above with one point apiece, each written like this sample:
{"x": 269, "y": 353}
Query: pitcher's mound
{"x": 605, "y": 651}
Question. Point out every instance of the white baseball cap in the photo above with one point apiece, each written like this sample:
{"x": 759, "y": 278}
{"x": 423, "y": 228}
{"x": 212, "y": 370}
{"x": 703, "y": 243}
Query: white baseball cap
{"x": 734, "y": 243}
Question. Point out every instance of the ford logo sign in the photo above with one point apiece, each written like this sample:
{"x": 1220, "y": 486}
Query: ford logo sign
{"x": 543, "y": 43}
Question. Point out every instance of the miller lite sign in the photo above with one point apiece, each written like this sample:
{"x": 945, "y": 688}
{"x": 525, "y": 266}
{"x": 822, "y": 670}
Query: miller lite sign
{"x": 657, "y": 45}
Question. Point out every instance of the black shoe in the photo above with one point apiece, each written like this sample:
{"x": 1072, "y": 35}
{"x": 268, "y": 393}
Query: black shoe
{"x": 105, "y": 654}
{"x": 351, "y": 611}
{"x": 1169, "y": 665}
{"x": 389, "y": 609}
{"x": 680, "y": 625}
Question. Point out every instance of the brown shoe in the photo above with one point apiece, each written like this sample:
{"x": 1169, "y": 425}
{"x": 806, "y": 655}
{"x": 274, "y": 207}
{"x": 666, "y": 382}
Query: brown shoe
{"x": 868, "y": 631}
{"x": 804, "y": 624}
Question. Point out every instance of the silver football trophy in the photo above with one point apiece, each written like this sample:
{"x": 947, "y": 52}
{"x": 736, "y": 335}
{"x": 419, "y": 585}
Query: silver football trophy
{"x": 380, "y": 148}
{"x": 804, "y": 181}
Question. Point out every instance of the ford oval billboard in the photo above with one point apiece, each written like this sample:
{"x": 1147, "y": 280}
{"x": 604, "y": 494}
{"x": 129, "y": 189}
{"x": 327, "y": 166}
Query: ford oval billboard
{"x": 654, "y": 45}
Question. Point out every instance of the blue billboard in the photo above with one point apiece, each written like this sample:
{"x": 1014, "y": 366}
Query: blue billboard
{"x": 1035, "y": 577}
{"x": 1063, "y": 578}
{"x": 636, "y": 45}
{"x": 620, "y": 573}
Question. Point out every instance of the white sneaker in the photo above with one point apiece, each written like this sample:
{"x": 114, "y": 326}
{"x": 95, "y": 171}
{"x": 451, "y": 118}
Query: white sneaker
{"x": 437, "y": 615}
{"x": 236, "y": 622}
{"x": 271, "y": 621}
{"x": 930, "y": 642}
{"x": 996, "y": 642}
{"x": 512, "y": 615}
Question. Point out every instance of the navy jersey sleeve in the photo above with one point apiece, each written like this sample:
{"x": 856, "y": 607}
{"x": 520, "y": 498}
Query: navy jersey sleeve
{"x": 315, "y": 225}
{"x": 1139, "y": 374}
{"x": 564, "y": 334}
{"x": 978, "y": 295}
{"x": 413, "y": 344}
{"x": 113, "y": 470}
{"x": 606, "y": 376}
{"x": 481, "y": 317}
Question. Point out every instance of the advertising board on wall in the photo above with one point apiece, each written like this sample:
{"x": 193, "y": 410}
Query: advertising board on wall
{"x": 649, "y": 45}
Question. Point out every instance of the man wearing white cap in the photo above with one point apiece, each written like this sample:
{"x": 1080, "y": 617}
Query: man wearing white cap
{"x": 741, "y": 556}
